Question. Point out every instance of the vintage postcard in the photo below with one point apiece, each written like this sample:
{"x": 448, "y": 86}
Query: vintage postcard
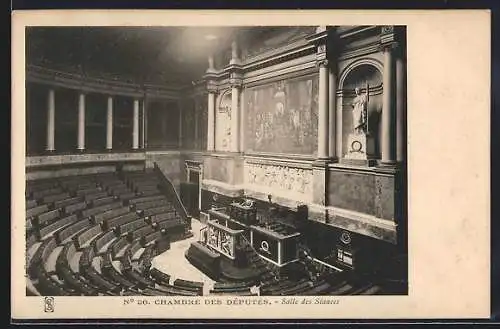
{"x": 250, "y": 165}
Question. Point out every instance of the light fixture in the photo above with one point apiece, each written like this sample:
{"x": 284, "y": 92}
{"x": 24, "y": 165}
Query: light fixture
{"x": 210, "y": 37}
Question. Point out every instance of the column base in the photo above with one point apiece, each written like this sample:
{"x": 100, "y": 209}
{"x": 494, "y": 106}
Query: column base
{"x": 321, "y": 162}
{"x": 109, "y": 150}
{"x": 80, "y": 150}
{"x": 387, "y": 163}
{"x": 358, "y": 162}
{"x": 50, "y": 152}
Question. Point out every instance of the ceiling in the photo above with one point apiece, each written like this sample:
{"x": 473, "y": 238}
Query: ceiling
{"x": 154, "y": 55}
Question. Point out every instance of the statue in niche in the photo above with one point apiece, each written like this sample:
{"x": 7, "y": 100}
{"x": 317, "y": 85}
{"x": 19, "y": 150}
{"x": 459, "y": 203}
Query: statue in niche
{"x": 360, "y": 111}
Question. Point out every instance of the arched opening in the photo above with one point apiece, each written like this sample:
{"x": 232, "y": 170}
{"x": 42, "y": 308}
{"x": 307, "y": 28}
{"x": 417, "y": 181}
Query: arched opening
{"x": 223, "y": 119}
{"x": 359, "y": 76}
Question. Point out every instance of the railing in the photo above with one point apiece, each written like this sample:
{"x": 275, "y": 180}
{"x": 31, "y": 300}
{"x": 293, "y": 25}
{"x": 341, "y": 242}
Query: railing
{"x": 170, "y": 190}
{"x": 202, "y": 238}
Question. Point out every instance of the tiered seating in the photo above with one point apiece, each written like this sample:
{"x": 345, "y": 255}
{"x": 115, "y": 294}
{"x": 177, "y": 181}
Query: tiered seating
{"x": 117, "y": 245}
{"x": 75, "y": 207}
{"x": 151, "y": 237}
{"x": 104, "y": 200}
{"x": 103, "y": 239}
{"x": 89, "y": 272}
{"x": 112, "y": 274}
{"x": 156, "y": 210}
{"x": 66, "y": 202}
{"x": 144, "y": 199}
{"x": 83, "y": 226}
{"x": 53, "y": 227}
{"x": 47, "y": 217}
{"x": 68, "y": 276}
{"x": 132, "y": 226}
{"x": 69, "y": 231}
{"x": 112, "y": 213}
{"x": 142, "y": 183}
{"x": 31, "y": 212}
{"x": 89, "y": 213}
{"x": 132, "y": 248}
{"x": 160, "y": 277}
{"x": 147, "y": 255}
{"x": 87, "y": 235}
{"x": 95, "y": 196}
{"x": 140, "y": 232}
{"x": 120, "y": 220}
{"x": 31, "y": 204}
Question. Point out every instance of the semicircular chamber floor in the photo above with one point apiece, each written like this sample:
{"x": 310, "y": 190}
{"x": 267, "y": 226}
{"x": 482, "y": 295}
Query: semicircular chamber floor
{"x": 174, "y": 263}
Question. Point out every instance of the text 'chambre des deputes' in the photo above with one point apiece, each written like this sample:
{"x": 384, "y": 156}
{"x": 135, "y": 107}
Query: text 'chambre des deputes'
{"x": 231, "y": 301}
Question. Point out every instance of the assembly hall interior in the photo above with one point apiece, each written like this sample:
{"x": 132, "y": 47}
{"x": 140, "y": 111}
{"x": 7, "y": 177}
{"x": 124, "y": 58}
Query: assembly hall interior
{"x": 196, "y": 161}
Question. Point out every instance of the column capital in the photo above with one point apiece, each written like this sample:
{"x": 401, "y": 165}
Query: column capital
{"x": 212, "y": 87}
{"x": 388, "y": 37}
{"x": 236, "y": 80}
{"x": 322, "y": 63}
{"x": 321, "y": 36}
{"x": 388, "y": 46}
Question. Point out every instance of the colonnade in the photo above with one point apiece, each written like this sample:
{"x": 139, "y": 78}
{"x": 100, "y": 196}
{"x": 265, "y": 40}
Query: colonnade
{"x": 51, "y": 106}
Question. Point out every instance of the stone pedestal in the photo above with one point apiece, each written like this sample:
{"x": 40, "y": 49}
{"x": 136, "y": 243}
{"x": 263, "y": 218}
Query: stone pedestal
{"x": 360, "y": 150}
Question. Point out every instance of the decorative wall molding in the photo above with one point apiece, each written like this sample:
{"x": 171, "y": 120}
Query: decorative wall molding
{"x": 360, "y": 223}
{"x": 222, "y": 188}
{"x": 280, "y": 179}
{"x": 294, "y": 68}
{"x": 363, "y": 61}
{"x": 39, "y": 161}
{"x": 378, "y": 171}
{"x": 57, "y": 78}
{"x": 277, "y": 161}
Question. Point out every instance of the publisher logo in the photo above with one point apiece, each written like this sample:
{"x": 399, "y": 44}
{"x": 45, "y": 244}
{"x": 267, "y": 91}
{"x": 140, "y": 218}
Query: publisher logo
{"x": 49, "y": 304}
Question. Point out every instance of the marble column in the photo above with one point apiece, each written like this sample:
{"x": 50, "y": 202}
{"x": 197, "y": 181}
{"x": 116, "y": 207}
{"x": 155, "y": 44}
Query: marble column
{"x": 235, "y": 119}
{"x": 196, "y": 120}
{"x": 388, "y": 156}
{"x": 338, "y": 125}
{"x": 332, "y": 106}
{"x": 135, "y": 127}
{"x": 81, "y": 122}
{"x": 400, "y": 108}
{"x": 143, "y": 124}
{"x": 109, "y": 125}
{"x": 234, "y": 53}
{"x": 323, "y": 111}
{"x": 51, "y": 113}
{"x": 211, "y": 122}
{"x": 180, "y": 125}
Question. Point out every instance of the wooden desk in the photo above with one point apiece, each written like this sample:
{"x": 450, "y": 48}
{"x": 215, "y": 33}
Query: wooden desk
{"x": 279, "y": 249}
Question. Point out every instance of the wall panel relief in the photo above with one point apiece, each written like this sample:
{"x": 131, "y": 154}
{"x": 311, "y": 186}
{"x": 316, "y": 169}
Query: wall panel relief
{"x": 288, "y": 180}
{"x": 283, "y": 117}
{"x": 223, "y": 122}
{"x": 201, "y": 110}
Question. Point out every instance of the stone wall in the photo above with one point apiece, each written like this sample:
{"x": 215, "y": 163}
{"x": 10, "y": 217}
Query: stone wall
{"x": 170, "y": 164}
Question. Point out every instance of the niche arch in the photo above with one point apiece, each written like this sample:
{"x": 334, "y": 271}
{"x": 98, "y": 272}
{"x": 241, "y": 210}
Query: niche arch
{"x": 223, "y": 121}
{"x": 355, "y": 75}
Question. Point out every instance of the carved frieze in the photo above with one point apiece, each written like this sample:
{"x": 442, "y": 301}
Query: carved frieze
{"x": 288, "y": 179}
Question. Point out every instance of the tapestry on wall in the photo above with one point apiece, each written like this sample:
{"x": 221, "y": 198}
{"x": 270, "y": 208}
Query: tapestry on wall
{"x": 283, "y": 117}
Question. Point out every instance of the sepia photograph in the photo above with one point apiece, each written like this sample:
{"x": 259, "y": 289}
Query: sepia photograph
{"x": 189, "y": 161}
{"x": 213, "y": 166}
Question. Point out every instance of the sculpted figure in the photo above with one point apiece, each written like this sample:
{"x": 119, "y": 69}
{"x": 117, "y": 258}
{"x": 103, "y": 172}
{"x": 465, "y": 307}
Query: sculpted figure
{"x": 359, "y": 111}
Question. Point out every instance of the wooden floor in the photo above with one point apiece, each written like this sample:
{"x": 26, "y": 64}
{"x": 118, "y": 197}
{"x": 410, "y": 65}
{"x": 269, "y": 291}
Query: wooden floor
{"x": 174, "y": 263}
